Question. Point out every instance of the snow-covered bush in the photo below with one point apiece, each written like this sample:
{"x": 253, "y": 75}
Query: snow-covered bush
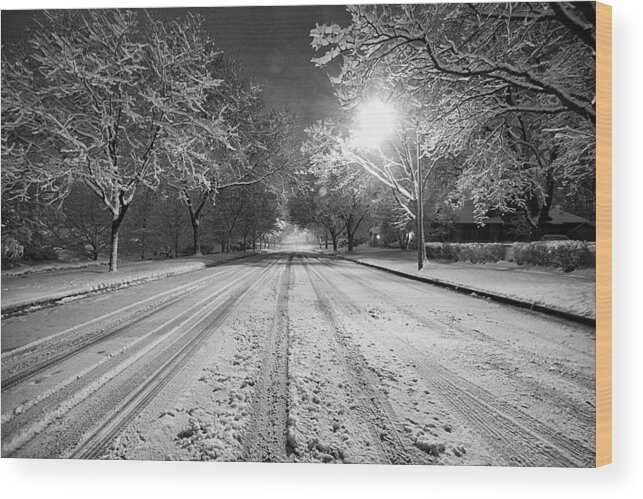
{"x": 565, "y": 255}
{"x": 480, "y": 252}
{"x": 465, "y": 252}
{"x": 439, "y": 251}
{"x": 12, "y": 249}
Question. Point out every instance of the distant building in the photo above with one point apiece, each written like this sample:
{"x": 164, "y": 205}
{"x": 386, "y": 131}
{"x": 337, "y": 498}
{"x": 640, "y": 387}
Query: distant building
{"x": 570, "y": 225}
{"x": 374, "y": 236}
{"x": 464, "y": 228}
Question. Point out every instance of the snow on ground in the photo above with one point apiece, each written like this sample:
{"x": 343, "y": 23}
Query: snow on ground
{"x": 326, "y": 416}
{"x": 205, "y": 413}
{"x": 435, "y": 362}
{"x": 48, "y": 266}
{"x": 65, "y": 283}
{"x": 571, "y": 292}
{"x": 377, "y": 376}
{"x": 378, "y": 369}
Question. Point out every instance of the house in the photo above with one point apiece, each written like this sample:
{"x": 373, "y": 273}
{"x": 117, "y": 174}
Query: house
{"x": 374, "y": 236}
{"x": 464, "y": 228}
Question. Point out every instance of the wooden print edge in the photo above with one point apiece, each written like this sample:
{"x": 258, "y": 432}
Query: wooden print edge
{"x": 604, "y": 234}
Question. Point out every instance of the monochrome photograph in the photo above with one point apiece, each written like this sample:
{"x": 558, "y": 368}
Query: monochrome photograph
{"x": 335, "y": 234}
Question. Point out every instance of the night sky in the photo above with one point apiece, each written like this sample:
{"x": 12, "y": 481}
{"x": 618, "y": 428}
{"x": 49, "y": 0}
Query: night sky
{"x": 272, "y": 43}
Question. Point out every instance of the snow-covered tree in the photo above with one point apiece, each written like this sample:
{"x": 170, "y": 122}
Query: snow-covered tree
{"x": 262, "y": 146}
{"x": 544, "y": 51}
{"x": 511, "y": 88}
{"x": 407, "y": 163}
{"x": 337, "y": 198}
{"x": 96, "y": 98}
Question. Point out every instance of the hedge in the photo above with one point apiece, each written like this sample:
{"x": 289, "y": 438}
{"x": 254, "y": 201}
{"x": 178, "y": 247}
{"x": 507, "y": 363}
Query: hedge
{"x": 565, "y": 255}
{"x": 465, "y": 252}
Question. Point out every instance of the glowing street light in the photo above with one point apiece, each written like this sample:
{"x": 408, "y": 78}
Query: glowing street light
{"x": 374, "y": 124}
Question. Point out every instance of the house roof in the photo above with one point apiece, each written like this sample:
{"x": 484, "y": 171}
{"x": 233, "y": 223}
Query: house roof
{"x": 560, "y": 217}
{"x": 465, "y": 215}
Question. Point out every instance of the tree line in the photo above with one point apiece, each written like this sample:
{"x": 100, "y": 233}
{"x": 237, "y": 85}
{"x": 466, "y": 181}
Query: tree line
{"x": 495, "y": 103}
{"x": 111, "y": 116}
{"x": 116, "y": 123}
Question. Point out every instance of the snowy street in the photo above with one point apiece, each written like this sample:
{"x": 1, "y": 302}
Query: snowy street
{"x": 296, "y": 357}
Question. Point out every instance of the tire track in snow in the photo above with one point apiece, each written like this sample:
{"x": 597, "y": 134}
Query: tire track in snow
{"x": 95, "y": 442}
{"x": 384, "y": 422}
{"x": 582, "y": 413}
{"x": 423, "y": 288}
{"x": 519, "y": 438}
{"x": 25, "y": 362}
{"x": 266, "y": 438}
{"x": 88, "y": 387}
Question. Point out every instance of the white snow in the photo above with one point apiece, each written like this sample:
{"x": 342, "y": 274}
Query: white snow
{"x": 571, "y": 292}
{"x": 22, "y": 290}
{"x": 379, "y": 370}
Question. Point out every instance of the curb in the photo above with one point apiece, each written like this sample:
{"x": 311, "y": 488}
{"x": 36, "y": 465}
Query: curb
{"x": 55, "y": 298}
{"x": 562, "y": 314}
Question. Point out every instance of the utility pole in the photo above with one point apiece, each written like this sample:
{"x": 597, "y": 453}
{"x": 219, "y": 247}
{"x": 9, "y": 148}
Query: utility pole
{"x": 420, "y": 205}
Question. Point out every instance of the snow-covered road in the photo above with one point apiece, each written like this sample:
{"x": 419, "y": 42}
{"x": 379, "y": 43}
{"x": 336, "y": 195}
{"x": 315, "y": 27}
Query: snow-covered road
{"x": 297, "y": 357}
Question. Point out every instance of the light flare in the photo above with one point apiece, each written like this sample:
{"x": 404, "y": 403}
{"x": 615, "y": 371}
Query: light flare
{"x": 374, "y": 123}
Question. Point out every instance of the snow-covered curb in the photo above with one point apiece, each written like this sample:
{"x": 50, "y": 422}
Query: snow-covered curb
{"x": 111, "y": 283}
{"x": 495, "y": 296}
{"x": 21, "y": 271}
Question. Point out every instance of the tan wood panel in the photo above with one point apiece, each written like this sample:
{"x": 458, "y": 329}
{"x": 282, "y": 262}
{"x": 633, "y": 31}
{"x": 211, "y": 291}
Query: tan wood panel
{"x": 604, "y": 234}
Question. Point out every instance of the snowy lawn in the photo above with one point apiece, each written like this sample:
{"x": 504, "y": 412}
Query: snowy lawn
{"x": 571, "y": 292}
{"x": 70, "y": 280}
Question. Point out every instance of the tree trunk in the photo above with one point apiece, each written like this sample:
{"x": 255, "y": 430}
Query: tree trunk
{"x": 334, "y": 239}
{"x": 196, "y": 243}
{"x": 195, "y": 218}
{"x": 113, "y": 251}
{"x": 543, "y": 215}
{"x": 326, "y": 240}
{"x": 349, "y": 234}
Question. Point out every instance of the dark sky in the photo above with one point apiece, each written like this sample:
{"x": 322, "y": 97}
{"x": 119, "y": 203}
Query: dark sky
{"x": 272, "y": 43}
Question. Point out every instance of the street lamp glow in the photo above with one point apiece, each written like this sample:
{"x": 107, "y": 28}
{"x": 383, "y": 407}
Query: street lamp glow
{"x": 375, "y": 123}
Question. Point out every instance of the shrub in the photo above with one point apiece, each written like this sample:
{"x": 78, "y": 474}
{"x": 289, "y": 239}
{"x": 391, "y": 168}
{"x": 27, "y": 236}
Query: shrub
{"x": 11, "y": 249}
{"x": 469, "y": 252}
{"x": 591, "y": 255}
{"x": 440, "y": 251}
{"x": 39, "y": 254}
{"x": 565, "y": 255}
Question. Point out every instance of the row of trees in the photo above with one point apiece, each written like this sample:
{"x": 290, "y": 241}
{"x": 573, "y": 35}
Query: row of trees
{"x": 332, "y": 201}
{"x": 121, "y": 105}
{"x": 495, "y": 103}
{"x": 158, "y": 223}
